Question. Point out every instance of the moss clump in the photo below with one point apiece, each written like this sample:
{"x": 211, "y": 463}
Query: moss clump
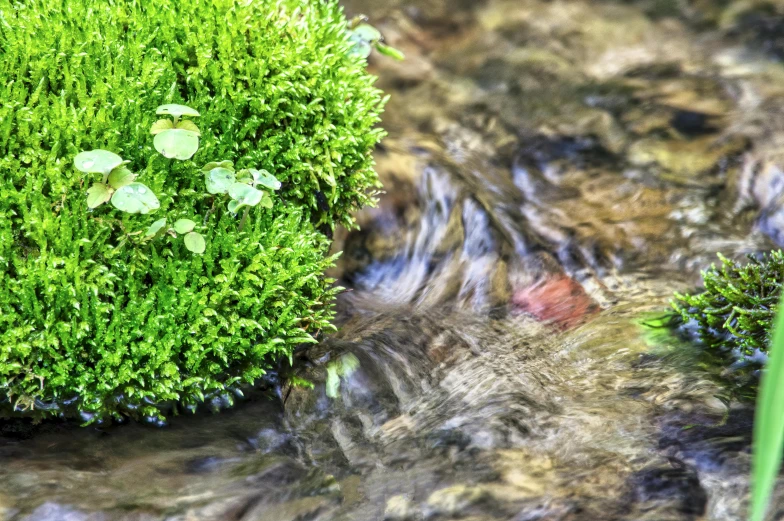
{"x": 737, "y": 307}
{"x": 96, "y": 324}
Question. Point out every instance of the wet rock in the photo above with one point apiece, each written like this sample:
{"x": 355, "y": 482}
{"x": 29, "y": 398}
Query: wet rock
{"x": 7, "y": 511}
{"x": 558, "y": 300}
{"x": 399, "y": 508}
{"x": 683, "y": 159}
{"x": 453, "y": 500}
{"x": 676, "y": 486}
{"x": 58, "y": 512}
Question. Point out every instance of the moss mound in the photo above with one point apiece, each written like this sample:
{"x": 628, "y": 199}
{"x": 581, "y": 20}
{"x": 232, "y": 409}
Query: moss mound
{"x": 737, "y": 307}
{"x": 94, "y": 321}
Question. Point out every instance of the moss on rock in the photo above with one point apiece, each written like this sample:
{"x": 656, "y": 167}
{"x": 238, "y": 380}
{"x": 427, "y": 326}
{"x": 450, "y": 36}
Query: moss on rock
{"x": 95, "y": 324}
{"x": 737, "y": 307}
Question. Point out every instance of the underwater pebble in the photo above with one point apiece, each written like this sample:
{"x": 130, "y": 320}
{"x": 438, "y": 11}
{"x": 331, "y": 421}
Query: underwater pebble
{"x": 399, "y": 508}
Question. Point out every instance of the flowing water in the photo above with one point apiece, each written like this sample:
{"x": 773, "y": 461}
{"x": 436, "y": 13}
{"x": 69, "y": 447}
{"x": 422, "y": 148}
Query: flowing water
{"x": 554, "y": 171}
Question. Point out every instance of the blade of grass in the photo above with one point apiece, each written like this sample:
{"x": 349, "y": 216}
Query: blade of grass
{"x": 768, "y": 424}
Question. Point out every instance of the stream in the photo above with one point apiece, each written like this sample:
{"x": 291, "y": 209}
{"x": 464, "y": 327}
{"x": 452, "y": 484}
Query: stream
{"x": 554, "y": 171}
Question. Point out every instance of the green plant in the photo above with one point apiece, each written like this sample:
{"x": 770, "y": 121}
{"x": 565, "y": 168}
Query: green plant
{"x": 738, "y": 305}
{"x": 175, "y": 138}
{"x": 768, "y": 444}
{"x": 106, "y": 313}
{"x": 365, "y": 38}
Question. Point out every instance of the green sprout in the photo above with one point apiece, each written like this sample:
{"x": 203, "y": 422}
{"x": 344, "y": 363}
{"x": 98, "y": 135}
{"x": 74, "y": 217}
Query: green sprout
{"x": 365, "y": 37}
{"x": 241, "y": 187}
{"x": 118, "y": 184}
{"x": 194, "y": 241}
{"x": 176, "y": 138}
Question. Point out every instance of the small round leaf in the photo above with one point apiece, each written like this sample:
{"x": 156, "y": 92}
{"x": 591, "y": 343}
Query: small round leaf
{"x": 361, "y": 48}
{"x": 98, "y": 194}
{"x": 177, "y": 144}
{"x": 172, "y": 109}
{"x": 245, "y": 194}
{"x": 234, "y": 206}
{"x": 155, "y": 227}
{"x": 266, "y": 201}
{"x": 187, "y": 124}
{"x": 120, "y": 177}
{"x": 161, "y": 125}
{"x": 184, "y": 226}
{"x": 265, "y": 179}
{"x": 219, "y": 180}
{"x": 195, "y": 242}
{"x": 366, "y": 33}
{"x": 97, "y": 161}
{"x": 135, "y": 198}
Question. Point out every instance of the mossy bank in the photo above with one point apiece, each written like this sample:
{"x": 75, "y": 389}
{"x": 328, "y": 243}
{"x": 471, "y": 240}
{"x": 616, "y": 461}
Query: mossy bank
{"x": 734, "y": 313}
{"x": 95, "y": 323}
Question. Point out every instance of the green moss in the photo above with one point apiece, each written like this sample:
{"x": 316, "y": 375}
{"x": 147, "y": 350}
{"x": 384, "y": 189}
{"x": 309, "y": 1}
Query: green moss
{"x": 738, "y": 305}
{"x": 92, "y": 322}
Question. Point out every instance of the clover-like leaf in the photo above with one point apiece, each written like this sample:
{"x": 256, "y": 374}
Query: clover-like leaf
{"x": 173, "y": 109}
{"x": 98, "y": 194}
{"x": 265, "y": 179}
{"x": 234, "y": 206}
{"x": 219, "y": 180}
{"x": 360, "y": 48}
{"x": 187, "y": 124}
{"x": 244, "y": 194}
{"x": 155, "y": 227}
{"x": 266, "y": 201}
{"x": 367, "y": 33}
{"x": 386, "y": 50}
{"x": 177, "y": 144}
{"x": 97, "y": 161}
{"x": 161, "y": 125}
{"x": 195, "y": 242}
{"x": 120, "y": 177}
{"x": 184, "y": 226}
{"x": 135, "y": 198}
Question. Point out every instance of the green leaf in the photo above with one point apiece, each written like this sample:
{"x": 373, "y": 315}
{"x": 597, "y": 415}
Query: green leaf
{"x": 360, "y": 48}
{"x": 97, "y": 161}
{"x": 264, "y": 178}
{"x": 234, "y": 206}
{"x": 386, "y": 50}
{"x": 155, "y": 227}
{"x": 768, "y": 443}
{"x": 184, "y": 226}
{"x": 98, "y": 194}
{"x": 120, "y": 177}
{"x": 161, "y": 125}
{"x": 367, "y": 33}
{"x": 172, "y": 109}
{"x": 195, "y": 243}
{"x": 187, "y": 124}
{"x": 227, "y": 164}
{"x": 177, "y": 144}
{"x": 266, "y": 201}
{"x": 218, "y": 180}
{"x": 348, "y": 364}
{"x": 244, "y": 194}
{"x": 333, "y": 380}
{"x": 135, "y": 198}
